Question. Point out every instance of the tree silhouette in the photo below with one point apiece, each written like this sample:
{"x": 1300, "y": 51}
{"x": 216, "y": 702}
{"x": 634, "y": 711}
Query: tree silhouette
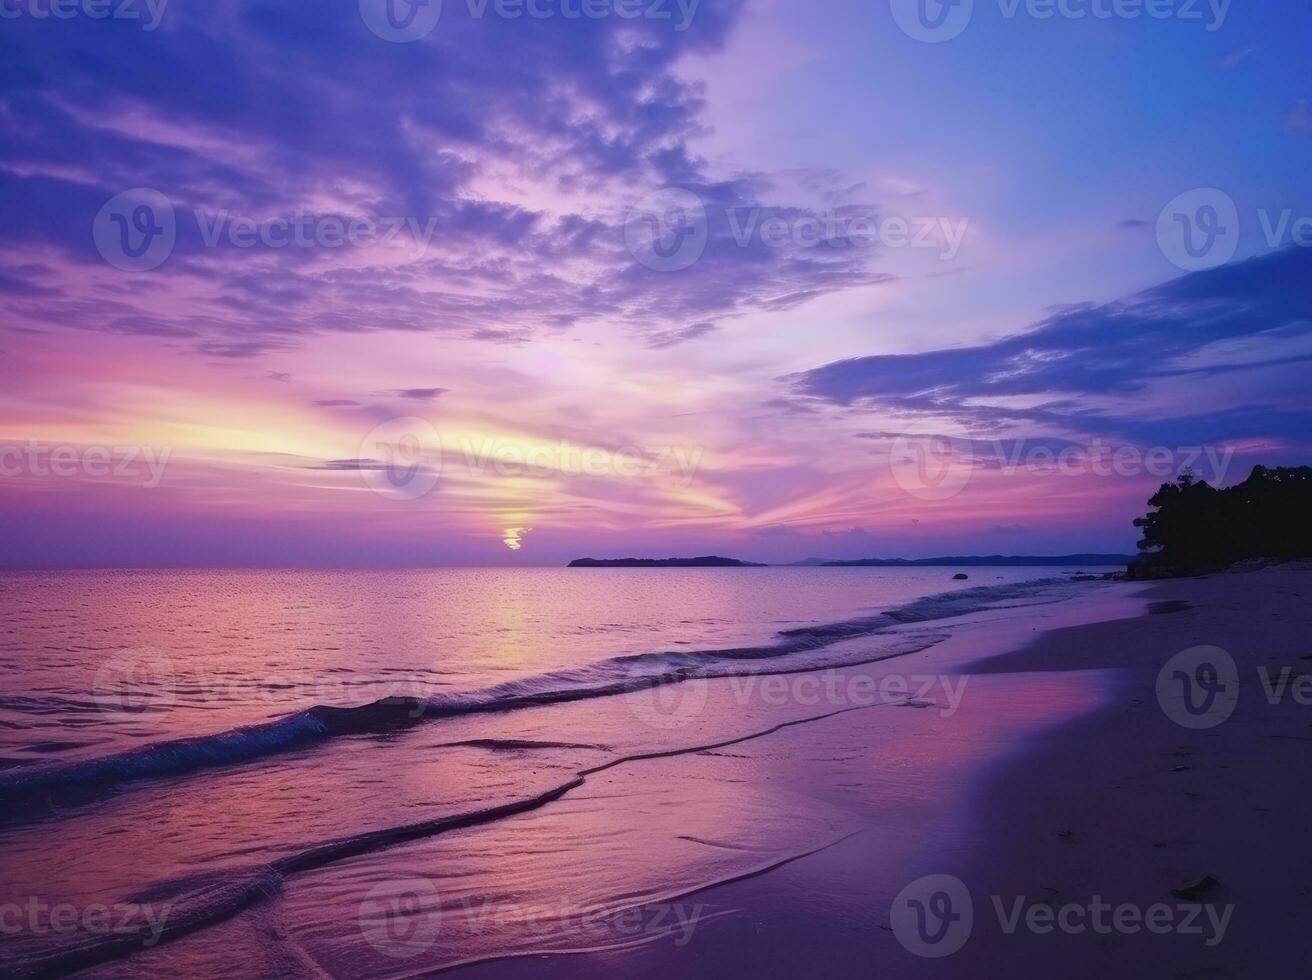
{"x": 1196, "y": 527}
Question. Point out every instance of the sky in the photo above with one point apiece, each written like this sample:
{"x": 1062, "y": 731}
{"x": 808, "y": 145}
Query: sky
{"x": 374, "y": 282}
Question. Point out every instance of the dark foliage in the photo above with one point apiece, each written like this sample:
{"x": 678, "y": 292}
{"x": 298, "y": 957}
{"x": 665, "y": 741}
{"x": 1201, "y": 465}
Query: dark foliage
{"x": 1196, "y": 527}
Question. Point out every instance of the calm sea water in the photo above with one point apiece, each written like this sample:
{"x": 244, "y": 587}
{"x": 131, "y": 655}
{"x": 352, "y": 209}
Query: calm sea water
{"x": 165, "y": 743}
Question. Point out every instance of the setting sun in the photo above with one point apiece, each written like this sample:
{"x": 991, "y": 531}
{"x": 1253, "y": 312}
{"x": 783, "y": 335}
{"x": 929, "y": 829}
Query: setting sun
{"x": 514, "y": 537}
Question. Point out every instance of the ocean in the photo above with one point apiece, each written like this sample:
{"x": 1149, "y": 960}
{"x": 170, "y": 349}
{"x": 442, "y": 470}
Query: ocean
{"x": 316, "y": 766}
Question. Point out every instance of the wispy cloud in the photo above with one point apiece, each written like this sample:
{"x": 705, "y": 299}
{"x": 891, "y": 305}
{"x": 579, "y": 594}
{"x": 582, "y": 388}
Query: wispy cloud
{"x": 1091, "y": 368}
{"x": 421, "y": 394}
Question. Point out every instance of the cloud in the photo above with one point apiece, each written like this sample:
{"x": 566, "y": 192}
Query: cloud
{"x": 775, "y": 531}
{"x": 495, "y": 164}
{"x": 19, "y": 281}
{"x": 671, "y": 338}
{"x": 421, "y": 394}
{"x": 352, "y": 465}
{"x": 238, "y": 349}
{"x": 1075, "y": 371}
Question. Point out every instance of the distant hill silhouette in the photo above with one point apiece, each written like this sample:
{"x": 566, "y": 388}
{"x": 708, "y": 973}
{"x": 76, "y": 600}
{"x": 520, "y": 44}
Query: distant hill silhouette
{"x": 977, "y": 561}
{"x": 1197, "y": 528}
{"x": 709, "y": 562}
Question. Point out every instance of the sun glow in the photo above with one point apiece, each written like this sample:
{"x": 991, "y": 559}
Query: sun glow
{"x": 513, "y": 538}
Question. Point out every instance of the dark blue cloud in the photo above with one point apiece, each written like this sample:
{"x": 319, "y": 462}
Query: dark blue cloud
{"x": 1083, "y": 355}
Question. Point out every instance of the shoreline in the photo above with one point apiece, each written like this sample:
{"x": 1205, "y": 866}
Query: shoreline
{"x": 1037, "y": 771}
{"x": 739, "y": 707}
{"x": 1143, "y": 808}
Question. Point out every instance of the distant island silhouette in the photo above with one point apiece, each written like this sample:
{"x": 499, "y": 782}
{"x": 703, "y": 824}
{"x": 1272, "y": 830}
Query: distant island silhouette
{"x": 975, "y": 561}
{"x": 1197, "y": 528}
{"x": 707, "y": 562}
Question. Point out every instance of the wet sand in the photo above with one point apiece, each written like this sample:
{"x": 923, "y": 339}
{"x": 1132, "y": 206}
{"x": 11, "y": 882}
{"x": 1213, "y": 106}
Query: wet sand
{"x": 1112, "y": 842}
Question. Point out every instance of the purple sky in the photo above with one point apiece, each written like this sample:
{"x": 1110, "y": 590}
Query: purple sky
{"x": 361, "y": 282}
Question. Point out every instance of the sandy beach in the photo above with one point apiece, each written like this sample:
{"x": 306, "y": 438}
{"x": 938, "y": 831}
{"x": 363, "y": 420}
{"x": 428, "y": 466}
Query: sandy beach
{"x": 1148, "y": 806}
{"x": 1115, "y": 842}
{"x": 1087, "y": 779}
